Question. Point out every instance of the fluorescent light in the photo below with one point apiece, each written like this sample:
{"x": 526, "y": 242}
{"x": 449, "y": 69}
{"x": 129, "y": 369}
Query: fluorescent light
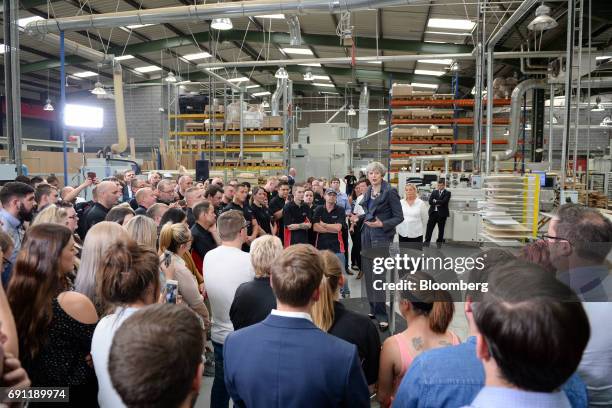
{"x": 222, "y": 23}
{"x": 452, "y": 23}
{"x": 447, "y": 33}
{"x": 252, "y": 86}
{"x": 436, "y": 61}
{"x": 80, "y": 116}
{"x": 312, "y": 64}
{"x": 135, "y": 26}
{"x": 213, "y": 68}
{"x": 198, "y": 55}
{"x": 329, "y": 93}
{"x": 421, "y": 85}
{"x": 272, "y": 16}
{"x": 149, "y": 68}
{"x": 429, "y": 72}
{"x": 22, "y": 22}
{"x": 264, "y": 93}
{"x": 374, "y": 62}
{"x": 124, "y": 57}
{"x": 300, "y": 51}
{"x": 603, "y": 57}
{"x": 320, "y": 77}
{"x": 324, "y": 85}
{"x": 85, "y": 74}
{"x": 238, "y": 79}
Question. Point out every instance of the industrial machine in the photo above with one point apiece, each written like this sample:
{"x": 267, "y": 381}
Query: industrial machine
{"x": 323, "y": 149}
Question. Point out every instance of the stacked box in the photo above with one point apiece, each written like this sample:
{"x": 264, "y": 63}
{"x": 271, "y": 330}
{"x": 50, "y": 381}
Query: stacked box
{"x": 401, "y": 90}
{"x": 273, "y": 122}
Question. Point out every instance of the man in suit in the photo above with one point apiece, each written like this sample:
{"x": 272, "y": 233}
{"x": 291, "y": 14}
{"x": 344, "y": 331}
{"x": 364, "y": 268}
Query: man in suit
{"x": 127, "y": 191}
{"x": 438, "y": 211}
{"x": 286, "y": 361}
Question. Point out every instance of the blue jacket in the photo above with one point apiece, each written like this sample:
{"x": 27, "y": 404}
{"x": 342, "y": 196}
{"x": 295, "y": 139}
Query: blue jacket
{"x": 287, "y": 362}
{"x": 450, "y": 377}
{"x": 387, "y": 208}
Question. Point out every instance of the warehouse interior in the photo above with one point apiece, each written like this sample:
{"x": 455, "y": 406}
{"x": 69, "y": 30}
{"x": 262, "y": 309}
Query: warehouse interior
{"x": 509, "y": 103}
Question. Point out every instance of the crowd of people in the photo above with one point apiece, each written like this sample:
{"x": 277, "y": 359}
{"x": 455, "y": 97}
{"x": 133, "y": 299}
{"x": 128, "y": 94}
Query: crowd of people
{"x": 87, "y": 298}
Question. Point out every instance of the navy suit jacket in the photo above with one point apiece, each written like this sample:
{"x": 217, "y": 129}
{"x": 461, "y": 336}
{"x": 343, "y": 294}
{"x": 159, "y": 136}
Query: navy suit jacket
{"x": 287, "y": 362}
{"x": 387, "y": 208}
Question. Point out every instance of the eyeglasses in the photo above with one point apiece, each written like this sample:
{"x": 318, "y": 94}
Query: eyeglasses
{"x": 551, "y": 238}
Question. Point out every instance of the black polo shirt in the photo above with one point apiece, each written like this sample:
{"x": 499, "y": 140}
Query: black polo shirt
{"x": 96, "y": 214}
{"x": 203, "y": 240}
{"x": 263, "y": 216}
{"x": 275, "y": 205}
{"x": 295, "y": 214}
{"x": 328, "y": 240}
{"x": 246, "y": 212}
{"x": 318, "y": 200}
{"x": 252, "y": 303}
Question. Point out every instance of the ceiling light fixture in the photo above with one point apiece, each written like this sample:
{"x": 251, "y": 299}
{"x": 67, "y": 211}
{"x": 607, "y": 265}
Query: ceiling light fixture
{"x": 281, "y": 73}
{"x": 98, "y": 89}
{"x": 429, "y": 72}
{"x": 606, "y": 122}
{"x": 197, "y": 55}
{"x": 48, "y": 107}
{"x": 298, "y": 51}
{"x": 170, "y": 77}
{"x": 351, "y": 110}
{"x": 85, "y": 74}
{"x": 265, "y": 104}
{"x": 222, "y": 24}
{"x": 263, "y": 93}
{"x": 324, "y": 85}
{"x": 308, "y": 76}
{"x": 455, "y": 67}
{"x": 148, "y": 68}
{"x": 451, "y": 23}
{"x": 543, "y": 21}
{"x": 124, "y": 57}
{"x": 382, "y": 121}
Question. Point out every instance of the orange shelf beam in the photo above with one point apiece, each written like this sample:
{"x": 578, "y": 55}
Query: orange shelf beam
{"x": 445, "y": 102}
{"x": 459, "y": 142}
{"x": 459, "y": 121}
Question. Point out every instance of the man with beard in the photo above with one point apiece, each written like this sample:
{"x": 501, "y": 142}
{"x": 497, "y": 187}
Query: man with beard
{"x": 165, "y": 192}
{"x": 17, "y": 204}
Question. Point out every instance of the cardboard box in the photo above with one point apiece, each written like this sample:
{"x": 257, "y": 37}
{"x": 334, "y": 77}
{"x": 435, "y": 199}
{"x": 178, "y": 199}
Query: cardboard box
{"x": 273, "y": 122}
{"x": 401, "y": 90}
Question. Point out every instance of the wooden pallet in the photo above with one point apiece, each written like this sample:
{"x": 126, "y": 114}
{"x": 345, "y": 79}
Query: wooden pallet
{"x": 442, "y": 138}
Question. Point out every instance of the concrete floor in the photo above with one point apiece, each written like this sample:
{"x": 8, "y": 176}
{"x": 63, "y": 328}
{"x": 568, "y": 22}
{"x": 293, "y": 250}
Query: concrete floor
{"x": 359, "y": 304}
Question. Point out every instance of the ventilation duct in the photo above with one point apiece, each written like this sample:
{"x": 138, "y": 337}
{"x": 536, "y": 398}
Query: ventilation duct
{"x": 295, "y": 34}
{"x": 202, "y": 12}
{"x": 515, "y": 114}
{"x": 364, "y": 104}
{"x": 281, "y": 83}
{"x": 74, "y": 48}
{"x": 122, "y": 140}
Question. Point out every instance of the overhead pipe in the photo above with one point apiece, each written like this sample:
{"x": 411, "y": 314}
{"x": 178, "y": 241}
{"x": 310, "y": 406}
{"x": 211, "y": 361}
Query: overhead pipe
{"x": 294, "y": 31}
{"x": 74, "y": 48}
{"x": 384, "y": 59}
{"x": 364, "y": 104}
{"x": 122, "y": 139}
{"x": 526, "y": 68}
{"x": 202, "y": 12}
{"x": 276, "y": 96}
{"x": 513, "y": 20}
{"x": 515, "y": 115}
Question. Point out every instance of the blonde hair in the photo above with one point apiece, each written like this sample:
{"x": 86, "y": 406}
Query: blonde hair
{"x": 143, "y": 230}
{"x": 264, "y": 251}
{"x": 51, "y": 215}
{"x": 323, "y": 309}
{"x": 97, "y": 241}
{"x": 172, "y": 236}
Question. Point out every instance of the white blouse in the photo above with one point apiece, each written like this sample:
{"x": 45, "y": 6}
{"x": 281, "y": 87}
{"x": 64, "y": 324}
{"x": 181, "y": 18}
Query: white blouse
{"x": 415, "y": 216}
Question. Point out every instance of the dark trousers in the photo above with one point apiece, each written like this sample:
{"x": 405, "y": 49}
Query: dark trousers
{"x": 345, "y": 239}
{"x": 219, "y": 397}
{"x": 356, "y": 248}
{"x": 435, "y": 219}
{"x": 406, "y": 239}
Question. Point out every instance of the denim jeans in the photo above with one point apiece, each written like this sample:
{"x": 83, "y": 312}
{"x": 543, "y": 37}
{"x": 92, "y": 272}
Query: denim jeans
{"x": 345, "y": 290}
{"x": 219, "y": 397}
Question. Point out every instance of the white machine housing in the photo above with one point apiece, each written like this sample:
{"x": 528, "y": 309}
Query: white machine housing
{"x": 323, "y": 149}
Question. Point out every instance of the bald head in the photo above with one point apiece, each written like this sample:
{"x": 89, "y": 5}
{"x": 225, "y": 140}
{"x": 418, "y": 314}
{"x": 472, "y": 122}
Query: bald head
{"x": 145, "y": 197}
{"x": 108, "y": 193}
{"x": 185, "y": 183}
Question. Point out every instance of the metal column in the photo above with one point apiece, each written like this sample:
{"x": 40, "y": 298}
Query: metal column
{"x": 63, "y": 105}
{"x": 571, "y": 19}
{"x": 12, "y": 81}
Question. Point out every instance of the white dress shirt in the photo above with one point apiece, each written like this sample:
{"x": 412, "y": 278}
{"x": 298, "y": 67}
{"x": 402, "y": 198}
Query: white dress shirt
{"x": 415, "y": 216}
{"x": 358, "y": 209}
{"x": 294, "y": 315}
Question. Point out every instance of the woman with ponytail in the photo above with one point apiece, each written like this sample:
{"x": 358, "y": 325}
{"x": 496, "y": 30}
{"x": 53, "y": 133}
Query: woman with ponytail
{"x": 176, "y": 239}
{"x": 428, "y": 314}
{"x": 331, "y": 316}
{"x": 128, "y": 281}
